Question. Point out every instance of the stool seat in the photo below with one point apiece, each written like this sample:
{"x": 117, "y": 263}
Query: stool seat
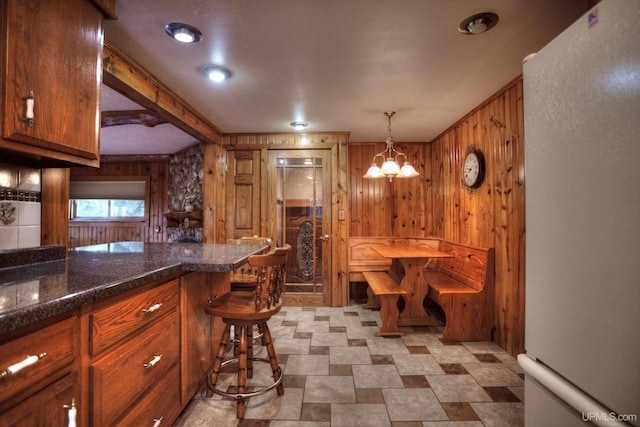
{"x": 242, "y": 310}
{"x": 239, "y": 307}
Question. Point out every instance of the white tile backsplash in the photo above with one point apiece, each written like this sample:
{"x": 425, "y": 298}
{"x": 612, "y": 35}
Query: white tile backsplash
{"x": 28, "y": 236}
{"x": 20, "y": 189}
{"x": 8, "y": 237}
{"x": 28, "y": 213}
{"x": 29, "y": 179}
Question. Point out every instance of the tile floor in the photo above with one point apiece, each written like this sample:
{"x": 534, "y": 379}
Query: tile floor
{"x": 336, "y": 373}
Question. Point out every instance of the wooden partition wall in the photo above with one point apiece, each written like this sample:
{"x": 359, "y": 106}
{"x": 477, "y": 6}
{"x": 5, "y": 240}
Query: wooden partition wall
{"x": 91, "y": 233}
{"x": 436, "y": 204}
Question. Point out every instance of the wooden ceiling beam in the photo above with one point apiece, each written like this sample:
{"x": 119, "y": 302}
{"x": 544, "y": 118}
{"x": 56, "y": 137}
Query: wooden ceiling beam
{"x": 124, "y": 75}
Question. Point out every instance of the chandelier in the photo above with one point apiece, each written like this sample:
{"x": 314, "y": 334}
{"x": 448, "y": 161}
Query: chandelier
{"x": 389, "y": 166}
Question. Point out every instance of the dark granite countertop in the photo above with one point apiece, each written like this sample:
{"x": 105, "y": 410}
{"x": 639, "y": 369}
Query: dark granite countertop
{"x": 36, "y": 291}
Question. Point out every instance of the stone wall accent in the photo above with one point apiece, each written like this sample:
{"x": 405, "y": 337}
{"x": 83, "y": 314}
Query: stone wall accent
{"x": 186, "y": 171}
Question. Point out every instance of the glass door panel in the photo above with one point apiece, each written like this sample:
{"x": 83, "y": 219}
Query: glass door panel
{"x": 301, "y": 185}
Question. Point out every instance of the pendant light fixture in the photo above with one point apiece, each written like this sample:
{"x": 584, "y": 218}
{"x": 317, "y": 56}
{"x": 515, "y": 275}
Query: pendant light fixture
{"x": 390, "y": 166}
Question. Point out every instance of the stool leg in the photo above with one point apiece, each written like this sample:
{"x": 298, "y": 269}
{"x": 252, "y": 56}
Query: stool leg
{"x": 261, "y": 332}
{"x": 242, "y": 370}
{"x": 212, "y": 378}
{"x": 249, "y": 351}
{"x": 275, "y": 368}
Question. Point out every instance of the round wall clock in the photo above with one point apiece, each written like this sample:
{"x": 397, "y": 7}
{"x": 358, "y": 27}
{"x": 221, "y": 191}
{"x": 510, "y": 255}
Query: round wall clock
{"x": 473, "y": 169}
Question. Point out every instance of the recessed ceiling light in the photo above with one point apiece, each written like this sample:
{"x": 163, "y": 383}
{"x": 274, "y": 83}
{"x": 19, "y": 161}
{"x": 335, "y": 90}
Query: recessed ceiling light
{"x": 299, "y": 125}
{"x": 183, "y": 33}
{"x": 216, "y": 73}
{"x": 477, "y": 24}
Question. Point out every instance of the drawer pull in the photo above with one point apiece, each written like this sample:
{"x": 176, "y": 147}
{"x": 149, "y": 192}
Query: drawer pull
{"x": 157, "y": 422}
{"x": 13, "y": 369}
{"x": 152, "y": 362}
{"x": 151, "y": 309}
{"x": 30, "y": 103}
{"x": 72, "y": 412}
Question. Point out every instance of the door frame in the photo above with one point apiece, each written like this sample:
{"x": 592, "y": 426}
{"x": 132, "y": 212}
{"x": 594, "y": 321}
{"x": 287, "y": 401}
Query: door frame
{"x": 306, "y": 299}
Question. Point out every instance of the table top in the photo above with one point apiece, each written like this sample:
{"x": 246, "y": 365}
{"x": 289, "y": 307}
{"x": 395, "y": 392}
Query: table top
{"x": 406, "y": 251}
{"x": 38, "y": 290}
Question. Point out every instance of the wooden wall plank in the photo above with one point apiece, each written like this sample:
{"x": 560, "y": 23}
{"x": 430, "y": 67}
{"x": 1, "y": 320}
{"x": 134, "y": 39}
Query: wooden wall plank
{"x": 436, "y": 204}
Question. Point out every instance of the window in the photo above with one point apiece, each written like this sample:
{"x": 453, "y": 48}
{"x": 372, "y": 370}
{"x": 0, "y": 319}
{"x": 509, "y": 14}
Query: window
{"x": 109, "y": 199}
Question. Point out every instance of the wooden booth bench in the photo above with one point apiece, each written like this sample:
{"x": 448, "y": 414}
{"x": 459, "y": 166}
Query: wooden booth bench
{"x": 383, "y": 290}
{"x": 463, "y": 285}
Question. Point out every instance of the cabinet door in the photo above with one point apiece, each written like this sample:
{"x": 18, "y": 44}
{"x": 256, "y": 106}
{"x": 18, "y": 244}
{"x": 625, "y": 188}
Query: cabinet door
{"x": 200, "y": 333}
{"x": 53, "y": 50}
{"x": 49, "y": 407}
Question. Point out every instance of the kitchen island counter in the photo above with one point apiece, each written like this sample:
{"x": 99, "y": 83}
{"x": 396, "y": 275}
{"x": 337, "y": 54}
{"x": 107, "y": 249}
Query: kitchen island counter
{"x": 37, "y": 291}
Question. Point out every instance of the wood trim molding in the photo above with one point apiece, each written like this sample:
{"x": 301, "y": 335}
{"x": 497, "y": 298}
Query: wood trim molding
{"x": 130, "y": 117}
{"x": 124, "y": 75}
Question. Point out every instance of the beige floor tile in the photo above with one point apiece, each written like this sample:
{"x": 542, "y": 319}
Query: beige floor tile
{"x": 378, "y": 345}
{"x": 413, "y": 404}
{"x": 376, "y": 376}
{"x": 417, "y": 364}
{"x": 307, "y": 364}
{"x": 457, "y": 388}
{"x": 493, "y": 374}
{"x": 337, "y": 373}
{"x": 499, "y": 414}
{"x": 359, "y": 415}
{"x": 329, "y": 339}
{"x": 349, "y": 355}
{"x": 329, "y": 389}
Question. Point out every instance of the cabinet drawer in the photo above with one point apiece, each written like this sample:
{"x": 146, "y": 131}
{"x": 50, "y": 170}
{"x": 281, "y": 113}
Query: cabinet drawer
{"x": 115, "y": 322}
{"x": 56, "y": 346}
{"x": 162, "y": 402}
{"x": 120, "y": 377}
{"x": 45, "y": 408}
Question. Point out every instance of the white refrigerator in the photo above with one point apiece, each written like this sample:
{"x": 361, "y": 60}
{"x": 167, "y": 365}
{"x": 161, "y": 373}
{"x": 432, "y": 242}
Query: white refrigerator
{"x": 582, "y": 166}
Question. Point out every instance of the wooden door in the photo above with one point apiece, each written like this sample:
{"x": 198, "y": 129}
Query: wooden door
{"x": 53, "y": 60}
{"x": 243, "y": 195}
{"x": 299, "y": 207}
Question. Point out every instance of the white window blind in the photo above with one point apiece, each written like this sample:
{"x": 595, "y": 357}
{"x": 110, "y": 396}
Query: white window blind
{"x": 115, "y": 190}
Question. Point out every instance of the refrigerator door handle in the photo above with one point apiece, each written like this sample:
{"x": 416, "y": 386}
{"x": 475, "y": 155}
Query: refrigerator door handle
{"x": 569, "y": 393}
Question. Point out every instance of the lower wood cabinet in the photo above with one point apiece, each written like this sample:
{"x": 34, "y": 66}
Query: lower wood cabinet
{"x": 146, "y": 352}
{"x": 48, "y": 407}
{"x": 136, "y": 358}
{"x": 39, "y": 375}
{"x": 200, "y": 333}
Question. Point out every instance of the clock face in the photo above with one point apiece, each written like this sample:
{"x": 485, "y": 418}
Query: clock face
{"x": 473, "y": 170}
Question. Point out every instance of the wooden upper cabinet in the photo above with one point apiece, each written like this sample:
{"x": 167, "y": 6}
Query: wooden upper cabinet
{"x": 52, "y": 59}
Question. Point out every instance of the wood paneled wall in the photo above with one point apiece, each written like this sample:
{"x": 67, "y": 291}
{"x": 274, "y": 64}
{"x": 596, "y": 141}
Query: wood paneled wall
{"x": 380, "y": 208}
{"x": 82, "y": 234}
{"x": 437, "y": 205}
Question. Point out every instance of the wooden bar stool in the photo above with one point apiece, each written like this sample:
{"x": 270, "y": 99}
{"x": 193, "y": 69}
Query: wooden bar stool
{"x": 244, "y": 278}
{"x": 243, "y": 310}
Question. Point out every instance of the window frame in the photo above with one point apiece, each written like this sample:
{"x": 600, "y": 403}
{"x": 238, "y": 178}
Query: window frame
{"x": 118, "y": 220}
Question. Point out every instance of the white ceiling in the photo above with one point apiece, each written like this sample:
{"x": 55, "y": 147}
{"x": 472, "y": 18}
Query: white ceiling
{"x": 336, "y": 64}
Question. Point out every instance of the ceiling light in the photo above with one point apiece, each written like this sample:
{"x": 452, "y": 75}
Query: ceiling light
{"x": 390, "y": 166}
{"x": 478, "y": 24}
{"x": 183, "y": 33}
{"x": 299, "y": 125}
{"x": 216, "y": 73}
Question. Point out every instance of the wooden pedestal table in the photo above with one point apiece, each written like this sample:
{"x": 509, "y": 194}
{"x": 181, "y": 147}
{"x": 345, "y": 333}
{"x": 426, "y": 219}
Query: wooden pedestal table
{"x": 411, "y": 260}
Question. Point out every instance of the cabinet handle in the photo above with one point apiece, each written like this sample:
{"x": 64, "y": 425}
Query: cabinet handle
{"x": 71, "y": 413}
{"x": 30, "y": 102}
{"x": 157, "y": 422}
{"x": 13, "y": 369}
{"x": 151, "y": 309}
{"x": 152, "y": 362}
